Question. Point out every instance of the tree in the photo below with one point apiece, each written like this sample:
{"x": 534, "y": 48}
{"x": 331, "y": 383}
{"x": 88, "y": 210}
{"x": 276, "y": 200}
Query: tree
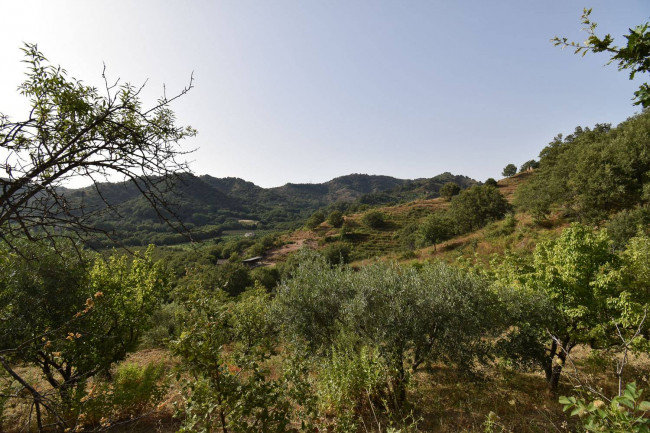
{"x": 73, "y": 320}
{"x": 335, "y": 218}
{"x": 528, "y": 165}
{"x": 69, "y": 316}
{"x": 634, "y": 56}
{"x": 448, "y": 190}
{"x": 75, "y": 131}
{"x": 491, "y": 182}
{"x": 476, "y": 206}
{"x": 225, "y": 347}
{"x": 509, "y": 170}
{"x": 567, "y": 271}
{"x": 592, "y": 172}
{"x": 436, "y": 228}
{"x": 374, "y": 219}
{"x": 411, "y": 317}
{"x": 315, "y": 220}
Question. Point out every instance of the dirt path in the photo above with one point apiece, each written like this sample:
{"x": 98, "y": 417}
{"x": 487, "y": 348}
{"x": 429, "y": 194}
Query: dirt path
{"x": 294, "y": 242}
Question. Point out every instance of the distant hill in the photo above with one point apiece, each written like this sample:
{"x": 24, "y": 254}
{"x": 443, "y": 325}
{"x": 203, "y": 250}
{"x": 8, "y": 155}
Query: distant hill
{"x": 208, "y": 205}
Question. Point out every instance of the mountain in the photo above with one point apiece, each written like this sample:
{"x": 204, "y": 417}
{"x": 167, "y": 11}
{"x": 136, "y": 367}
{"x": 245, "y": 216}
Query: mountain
{"x": 208, "y": 205}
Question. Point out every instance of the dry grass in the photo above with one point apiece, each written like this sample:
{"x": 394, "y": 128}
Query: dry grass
{"x": 445, "y": 399}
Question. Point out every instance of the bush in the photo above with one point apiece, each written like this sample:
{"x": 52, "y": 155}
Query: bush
{"x": 338, "y": 253}
{"x": 133, "y": 390}
{"x": 448, "y": 190}
{"x": 224, "y": 347}
{"x": 476, "y": 206}
{"x": 164, "y": 326}
{"x": 491, "y": 182}
{"x": 350, "y": 383}
{"x": 315, "y": 220}
{"x": 335, "y": 218}
{"x": 626, "y": 224}
{"x": 374, "y": 219}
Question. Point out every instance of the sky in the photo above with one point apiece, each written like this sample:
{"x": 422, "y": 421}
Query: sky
{"x": 305, "y": 91}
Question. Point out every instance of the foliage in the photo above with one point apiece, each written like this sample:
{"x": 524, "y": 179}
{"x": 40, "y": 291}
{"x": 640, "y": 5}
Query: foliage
{"x": 73, "y": 131}
{"x": 624, "y": 225}
{"x": 412, "y": 317}
{"x": 592, "y": 172}
{"x": 315, "y": 220}
{"x": 337, "y": 253}
{"x": 625, "y": 413}
{"x": 436, "y": 228}
{"x": 449, "y": 190}
{"x": 634, "y": 56}
{"x": 224, "y": 346}
{"x": 335, "y": 218}
{"x": 374, "y": 219}
{"x": 350, "y": 383}
{"x": 476, "y": 206}
{"x": 528, "y": 165}
{"x": 509, "y": 170}
{"x": 491, "y": 182}
{"x": 164, "y": 326}
{"x": 567, "y": 271}
{"x": 132, "y": 391}
{"x": 74, "y": 320}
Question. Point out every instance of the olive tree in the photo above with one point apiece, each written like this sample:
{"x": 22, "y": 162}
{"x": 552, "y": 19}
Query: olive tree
{"x": 411, "y": 317}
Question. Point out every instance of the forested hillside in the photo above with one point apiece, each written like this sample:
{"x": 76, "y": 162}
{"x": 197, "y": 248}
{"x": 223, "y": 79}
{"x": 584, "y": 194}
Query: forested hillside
{"x": 206, "y": 206}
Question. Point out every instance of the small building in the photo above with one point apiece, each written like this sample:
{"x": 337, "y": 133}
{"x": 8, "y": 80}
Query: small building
{"x": 253, "y": 262}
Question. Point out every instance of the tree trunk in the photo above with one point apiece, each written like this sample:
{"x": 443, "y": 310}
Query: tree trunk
{"x": 553, "y": 372}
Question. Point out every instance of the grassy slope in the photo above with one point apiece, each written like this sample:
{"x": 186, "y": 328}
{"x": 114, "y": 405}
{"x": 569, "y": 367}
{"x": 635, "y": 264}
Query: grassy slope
{"x": 384, "y": 244}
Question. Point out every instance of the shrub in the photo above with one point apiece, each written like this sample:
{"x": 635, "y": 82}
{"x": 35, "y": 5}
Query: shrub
{"x": 315, "y": 220}
{"x": 374, "y": 219}
{"x": 476, "y": 206}
{"x": 491, "y": 182}
{"x": 350, "y": 383}
{"x": 448, "y": 190}
{"x": 164, "y": 326}
{"x": 335, "y": 218}
{"x": 626, "y": 224}
{"x": 133, "y": 390}
{"x": 224, "y": 347}
{"x": 338, "y": 253}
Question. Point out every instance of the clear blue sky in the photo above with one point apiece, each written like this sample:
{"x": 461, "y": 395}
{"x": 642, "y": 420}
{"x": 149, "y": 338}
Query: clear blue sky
{"x": 304, "y": 91}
